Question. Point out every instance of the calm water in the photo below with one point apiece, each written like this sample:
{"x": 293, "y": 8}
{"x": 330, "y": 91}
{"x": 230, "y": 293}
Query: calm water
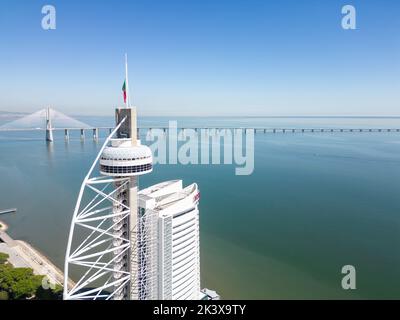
{"x": 314, "y": 203}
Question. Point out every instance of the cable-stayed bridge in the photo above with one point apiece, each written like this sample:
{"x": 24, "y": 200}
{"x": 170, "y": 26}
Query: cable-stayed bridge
{"x": 49, "y": 120}
{"x": 38, "y": 121}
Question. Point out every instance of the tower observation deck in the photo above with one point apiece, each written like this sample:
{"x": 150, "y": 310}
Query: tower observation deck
{"x": 125, "y": 158}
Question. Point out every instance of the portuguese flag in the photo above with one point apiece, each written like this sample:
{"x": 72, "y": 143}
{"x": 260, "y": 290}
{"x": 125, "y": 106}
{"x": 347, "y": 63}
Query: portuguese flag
{"x": 124, "y": 91}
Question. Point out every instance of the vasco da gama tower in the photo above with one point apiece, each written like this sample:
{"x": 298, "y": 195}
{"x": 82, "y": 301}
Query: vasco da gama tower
{"x": 125, "y": 244}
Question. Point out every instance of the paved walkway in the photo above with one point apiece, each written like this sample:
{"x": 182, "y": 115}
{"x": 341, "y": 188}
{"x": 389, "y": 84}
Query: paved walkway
{"x": 23, "y": 255}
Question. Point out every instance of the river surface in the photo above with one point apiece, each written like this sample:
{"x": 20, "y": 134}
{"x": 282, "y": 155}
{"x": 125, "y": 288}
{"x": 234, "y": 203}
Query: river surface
{"x": 314, "y": 203}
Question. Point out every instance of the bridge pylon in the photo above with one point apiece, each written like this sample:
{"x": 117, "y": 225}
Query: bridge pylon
{"x": 49, "y": 129}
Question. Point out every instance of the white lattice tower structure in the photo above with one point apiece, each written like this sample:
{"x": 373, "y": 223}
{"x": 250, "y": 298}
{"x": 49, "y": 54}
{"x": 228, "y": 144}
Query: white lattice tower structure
{"x": 108, "y": 255}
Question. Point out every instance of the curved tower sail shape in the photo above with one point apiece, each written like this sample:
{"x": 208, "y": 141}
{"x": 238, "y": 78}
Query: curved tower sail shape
{"x": 103, "y": 250}
{"x": 103, "y": 240}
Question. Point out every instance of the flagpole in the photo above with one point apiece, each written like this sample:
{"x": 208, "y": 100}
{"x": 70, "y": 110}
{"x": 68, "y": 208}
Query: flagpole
{"x": 126, "y": 82}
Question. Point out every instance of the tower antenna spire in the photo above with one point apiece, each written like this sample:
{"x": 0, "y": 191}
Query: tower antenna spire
{"x": 128, "y": 98}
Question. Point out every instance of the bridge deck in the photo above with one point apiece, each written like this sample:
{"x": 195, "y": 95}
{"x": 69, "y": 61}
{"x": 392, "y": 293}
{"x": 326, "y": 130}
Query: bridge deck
{"x": 264, "y": 129}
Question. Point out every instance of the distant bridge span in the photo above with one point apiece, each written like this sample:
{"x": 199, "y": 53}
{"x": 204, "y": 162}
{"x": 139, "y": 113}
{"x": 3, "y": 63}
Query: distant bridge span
{"x": 95, "y": 130}
{"x": 50, "y": 120}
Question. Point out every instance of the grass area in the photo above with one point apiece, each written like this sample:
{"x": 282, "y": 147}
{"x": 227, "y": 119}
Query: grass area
{"x": 22, "y": 284}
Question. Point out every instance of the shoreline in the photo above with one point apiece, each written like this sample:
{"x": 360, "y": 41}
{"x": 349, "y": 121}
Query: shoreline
{"x": 23, "y": 254}
{"x": 48, "y": 267}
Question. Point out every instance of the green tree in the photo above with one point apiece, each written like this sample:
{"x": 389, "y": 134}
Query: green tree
{"x": 19, "y": 283}
{"x": 3, "y": 295}
{"x": 49, "y": 294}
{"x": 3, "y": 257}
{"x": 22, "y": 283}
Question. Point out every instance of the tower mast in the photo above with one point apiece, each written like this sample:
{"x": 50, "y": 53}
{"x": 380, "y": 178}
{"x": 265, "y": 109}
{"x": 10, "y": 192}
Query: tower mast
{"x": 128, "y": 98}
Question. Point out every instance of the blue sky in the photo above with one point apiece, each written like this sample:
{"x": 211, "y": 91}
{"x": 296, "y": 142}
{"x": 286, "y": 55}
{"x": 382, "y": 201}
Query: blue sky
{"x": 286, "y": 57}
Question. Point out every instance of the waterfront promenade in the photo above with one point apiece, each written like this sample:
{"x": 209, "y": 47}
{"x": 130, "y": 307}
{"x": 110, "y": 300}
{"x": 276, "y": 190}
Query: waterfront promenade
{"x": 23, "y": 255}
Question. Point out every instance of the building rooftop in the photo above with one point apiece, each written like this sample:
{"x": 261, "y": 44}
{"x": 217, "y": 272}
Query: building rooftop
{"x": 166, "y": 194}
